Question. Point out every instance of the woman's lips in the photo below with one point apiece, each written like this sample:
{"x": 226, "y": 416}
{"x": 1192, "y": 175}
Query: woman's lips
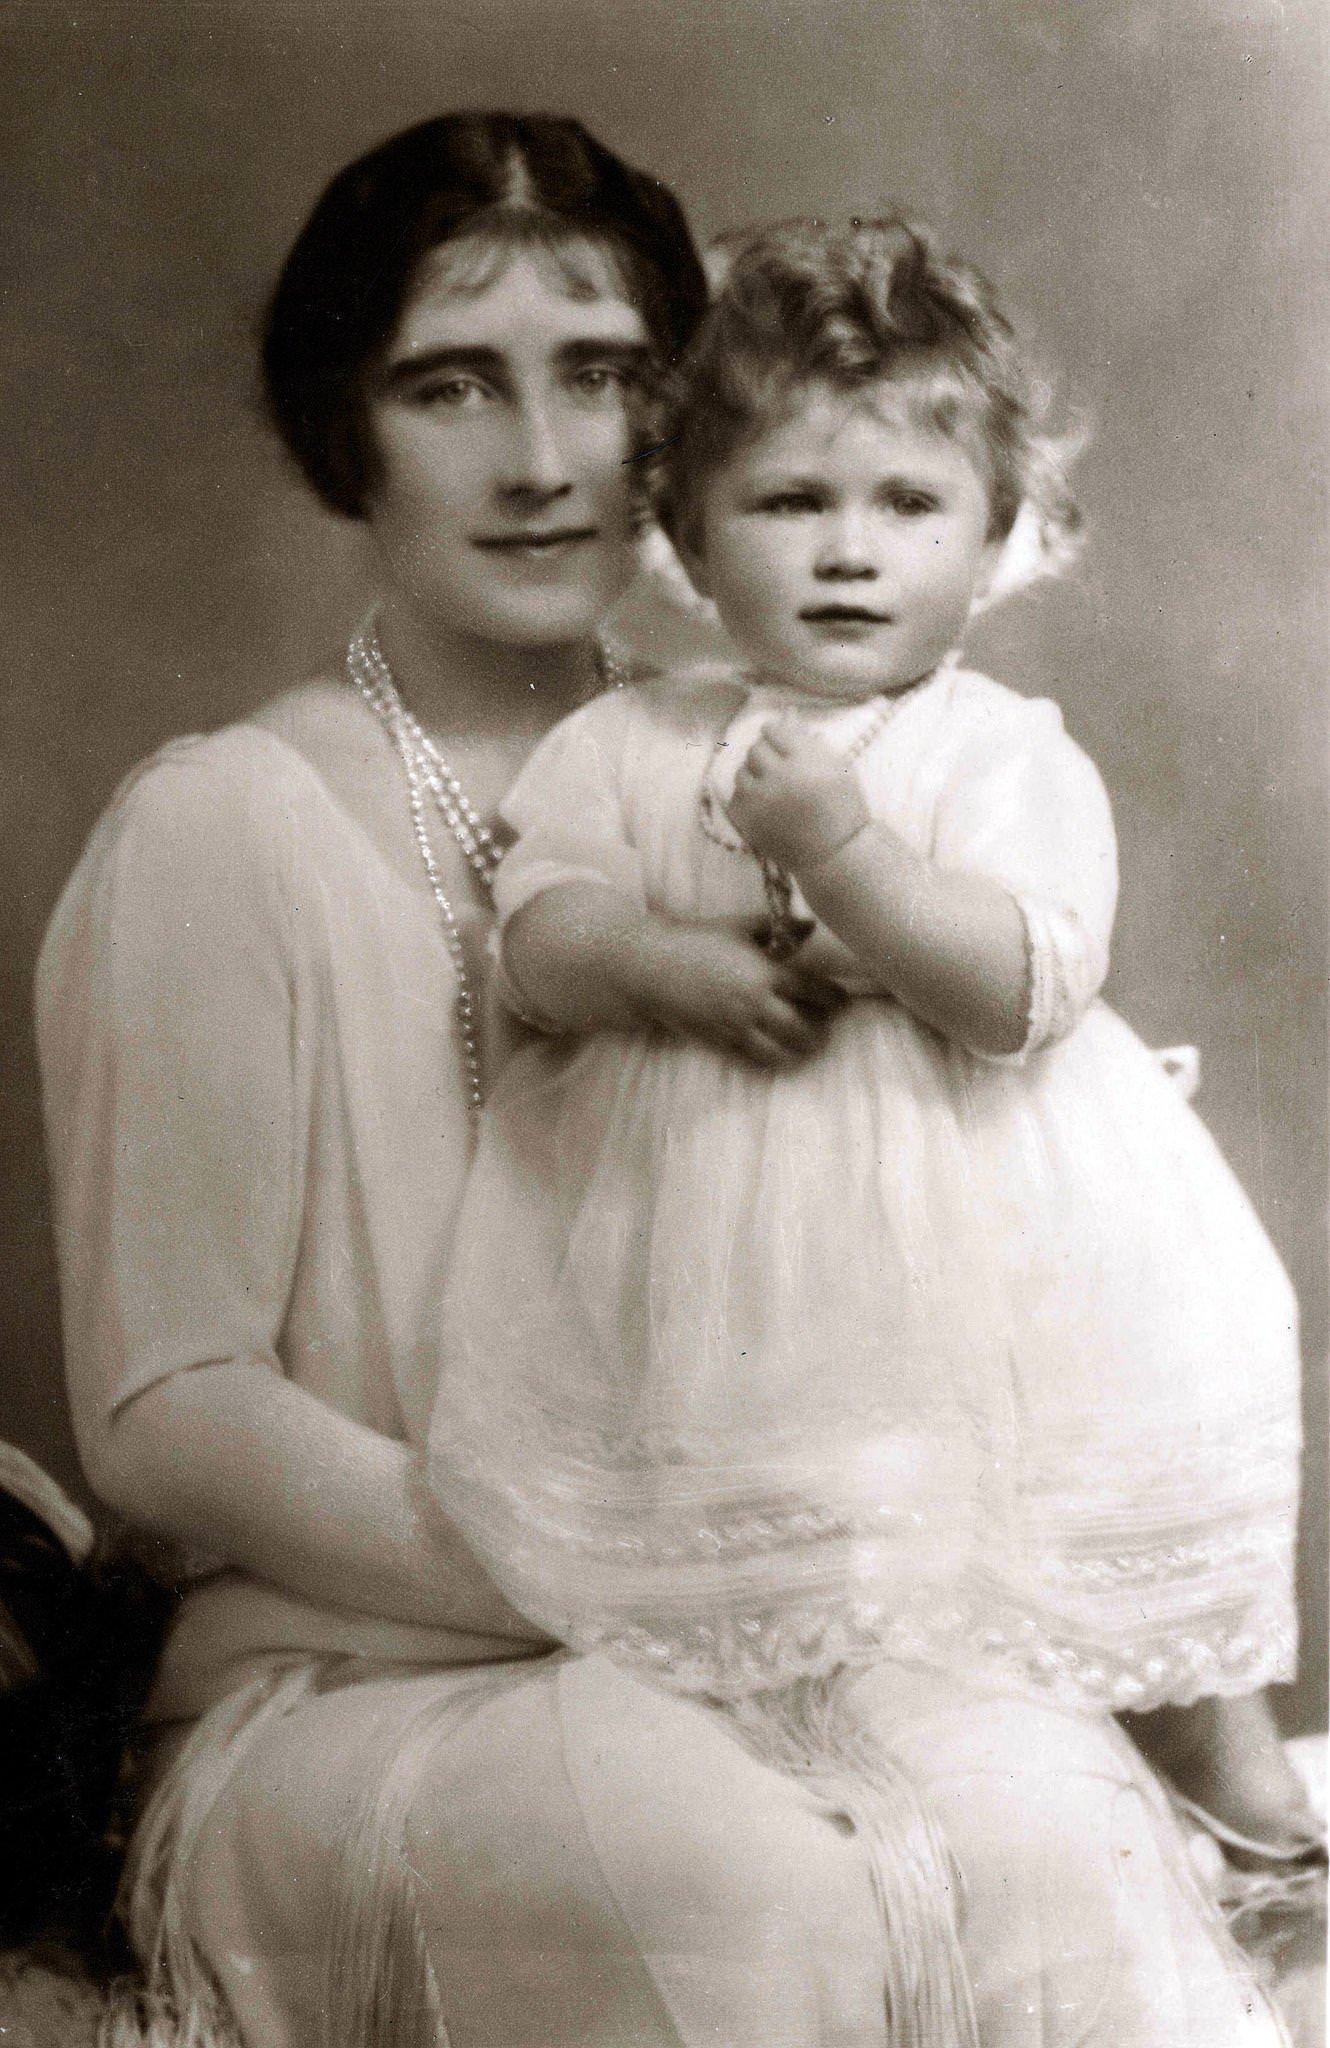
{"x": 533, "y": 542}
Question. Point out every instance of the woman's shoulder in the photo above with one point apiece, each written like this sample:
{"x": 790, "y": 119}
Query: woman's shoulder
{"x": 209, "y": 816}
{"x": 250, "y": 773}
{"x": 240, "y": 764}
{"x": 319, "y": 721}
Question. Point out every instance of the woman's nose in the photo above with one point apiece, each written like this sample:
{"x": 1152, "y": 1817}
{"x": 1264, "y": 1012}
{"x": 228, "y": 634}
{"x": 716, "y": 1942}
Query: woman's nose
{"x": 537, "y": 461}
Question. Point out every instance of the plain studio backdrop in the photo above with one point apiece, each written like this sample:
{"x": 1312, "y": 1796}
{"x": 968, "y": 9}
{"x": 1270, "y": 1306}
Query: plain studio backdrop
{"x": 1142, "y": 177}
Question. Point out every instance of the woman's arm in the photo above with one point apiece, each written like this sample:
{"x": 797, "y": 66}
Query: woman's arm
{"x": 586, "y": 957}
{"x": 949, "y": 945}
{"x": 174, "y": 1009}
{"x": 254, "y": 1468}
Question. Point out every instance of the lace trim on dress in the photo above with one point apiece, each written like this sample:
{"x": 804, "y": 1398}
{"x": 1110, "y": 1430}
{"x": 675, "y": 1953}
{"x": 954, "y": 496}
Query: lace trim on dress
{"x": 984, "y": 1642}
{"x": 1066, "y": 970}
{"x": 1059, "y": 1582}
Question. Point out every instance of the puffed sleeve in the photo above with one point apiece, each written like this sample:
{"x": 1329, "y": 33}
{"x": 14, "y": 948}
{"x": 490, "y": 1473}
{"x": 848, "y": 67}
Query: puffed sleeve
{"x": 1027, "y": 809}
{"x": 171, "y": 1057}
{"x": 566, "y": 809}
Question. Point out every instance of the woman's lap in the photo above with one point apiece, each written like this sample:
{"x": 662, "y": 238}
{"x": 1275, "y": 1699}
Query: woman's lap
{"x": 596, "y": 1866}
{"x": 599, "y": 1865}
{"x": 1082, "y": 1920}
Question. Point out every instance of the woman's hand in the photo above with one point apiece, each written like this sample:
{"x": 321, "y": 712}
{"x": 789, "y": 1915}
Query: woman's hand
{"x": 714, "y": 982}
{"x": 235, "y": 1459}
{"x": 795, "y": 799}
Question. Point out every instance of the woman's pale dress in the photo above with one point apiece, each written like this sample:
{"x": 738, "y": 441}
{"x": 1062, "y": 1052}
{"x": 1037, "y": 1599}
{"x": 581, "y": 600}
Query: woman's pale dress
{"x": 258, "y": 1136}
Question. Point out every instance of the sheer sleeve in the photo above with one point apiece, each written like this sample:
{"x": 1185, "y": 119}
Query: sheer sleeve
{"x": 1027, "y": 809}
{"x": 567, "y": 812}
{"x": 170, "y": 1046}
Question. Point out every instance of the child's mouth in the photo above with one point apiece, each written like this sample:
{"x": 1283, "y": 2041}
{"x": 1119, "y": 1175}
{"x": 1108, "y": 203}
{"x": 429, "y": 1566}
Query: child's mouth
{"x": 844, "y": 615}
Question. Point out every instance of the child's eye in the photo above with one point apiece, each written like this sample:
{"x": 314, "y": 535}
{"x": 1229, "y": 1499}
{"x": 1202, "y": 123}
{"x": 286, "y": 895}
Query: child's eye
{"x": 913, "y": 504}
{"x": 787, "y": 504}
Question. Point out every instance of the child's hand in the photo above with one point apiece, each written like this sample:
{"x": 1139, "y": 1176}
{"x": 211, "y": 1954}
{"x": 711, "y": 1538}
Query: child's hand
{"x": 714, "y": 982}
{"x": 795, "y": 800}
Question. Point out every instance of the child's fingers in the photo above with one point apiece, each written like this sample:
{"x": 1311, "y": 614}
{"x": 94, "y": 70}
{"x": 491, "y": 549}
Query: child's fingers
{"x": 810, "y": 992}
{"x": 779, "y": 1033}
{"x": 766, "y": 1049}
{"x": 757, "y": 762}
{"x": 774, "y": 745}
{"x": 796, "y": 1029}
{"x": 782, "y": 734}
{"x": 746, "y": 1040}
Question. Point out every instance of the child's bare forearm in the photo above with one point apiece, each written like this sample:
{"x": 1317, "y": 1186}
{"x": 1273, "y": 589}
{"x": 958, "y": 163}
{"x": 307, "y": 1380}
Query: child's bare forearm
{"x": 586, "y": 958}
{"x": 949, "y": 946}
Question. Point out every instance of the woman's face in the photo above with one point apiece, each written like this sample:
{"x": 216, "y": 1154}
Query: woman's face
{"x": 502, "y": 417}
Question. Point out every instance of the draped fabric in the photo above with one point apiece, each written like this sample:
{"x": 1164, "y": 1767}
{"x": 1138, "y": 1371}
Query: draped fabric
{"x": 248, "y": 1043}
{"x": 749, "y": 1375}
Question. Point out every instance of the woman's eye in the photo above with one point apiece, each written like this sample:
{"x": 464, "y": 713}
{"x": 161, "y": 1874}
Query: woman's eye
{"x": 594, "y": 380}
{"x": 452, "y": 392}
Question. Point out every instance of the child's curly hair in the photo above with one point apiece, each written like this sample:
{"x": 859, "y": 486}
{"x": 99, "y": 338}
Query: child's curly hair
{"x": 804, "y": 303}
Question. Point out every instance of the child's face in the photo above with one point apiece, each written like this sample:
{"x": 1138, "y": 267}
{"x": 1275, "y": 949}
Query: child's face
{"x": 845, "y": 546}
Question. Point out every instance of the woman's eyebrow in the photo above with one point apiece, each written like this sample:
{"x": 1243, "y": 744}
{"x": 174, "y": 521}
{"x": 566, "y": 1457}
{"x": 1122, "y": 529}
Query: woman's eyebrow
{"x": 476, "y": 362}
{"x": 491, "y": 363}
{"x": 626, "y": 355}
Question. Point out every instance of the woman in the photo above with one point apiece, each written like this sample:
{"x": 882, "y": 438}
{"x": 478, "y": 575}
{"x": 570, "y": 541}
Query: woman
{"x": 375, "y": 1806}
{"x": 257, "y": 1081}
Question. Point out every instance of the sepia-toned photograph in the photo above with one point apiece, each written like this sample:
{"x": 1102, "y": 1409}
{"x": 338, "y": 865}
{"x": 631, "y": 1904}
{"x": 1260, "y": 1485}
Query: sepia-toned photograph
{"x": 665, "y": 1212}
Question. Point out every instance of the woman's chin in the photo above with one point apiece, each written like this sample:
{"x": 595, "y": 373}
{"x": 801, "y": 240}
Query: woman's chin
{"x": 557, "y": 615}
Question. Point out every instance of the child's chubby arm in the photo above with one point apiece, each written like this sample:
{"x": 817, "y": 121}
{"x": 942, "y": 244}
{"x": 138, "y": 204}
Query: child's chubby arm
{"x": 947, "y": 944}
{"x": 583, "y": 948}
{"x": 589, "y": 958}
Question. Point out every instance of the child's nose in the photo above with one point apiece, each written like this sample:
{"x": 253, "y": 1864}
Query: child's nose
{"x": 845, "y": 552}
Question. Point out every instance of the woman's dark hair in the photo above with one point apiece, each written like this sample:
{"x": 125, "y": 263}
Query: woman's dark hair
{"x": 78, "y": 1641}
{"x": 515, "y": 180}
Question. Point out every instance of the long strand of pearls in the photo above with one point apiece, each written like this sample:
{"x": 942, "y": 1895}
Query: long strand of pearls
{"x": 430, "y": 779}
{"x": 428, "y": 775}
{"x": 374, "y": 679}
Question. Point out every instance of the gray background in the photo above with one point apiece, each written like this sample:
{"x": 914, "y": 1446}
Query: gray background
{"x": 1143, "y": 176}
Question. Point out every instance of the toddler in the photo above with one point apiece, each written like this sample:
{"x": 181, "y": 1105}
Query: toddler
{"x": 860, "y": 1288}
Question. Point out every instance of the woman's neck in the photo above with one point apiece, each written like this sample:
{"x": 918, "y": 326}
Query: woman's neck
{"x": 464, "y": 687}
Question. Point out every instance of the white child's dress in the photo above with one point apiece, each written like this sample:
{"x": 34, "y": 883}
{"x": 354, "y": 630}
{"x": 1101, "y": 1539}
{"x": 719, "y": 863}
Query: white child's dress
{"x": 983, "y": 1364}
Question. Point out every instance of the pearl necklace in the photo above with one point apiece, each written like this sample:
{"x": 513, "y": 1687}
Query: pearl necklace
{"x": 785, "y": 932}
{"x": 428, "y": 776}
